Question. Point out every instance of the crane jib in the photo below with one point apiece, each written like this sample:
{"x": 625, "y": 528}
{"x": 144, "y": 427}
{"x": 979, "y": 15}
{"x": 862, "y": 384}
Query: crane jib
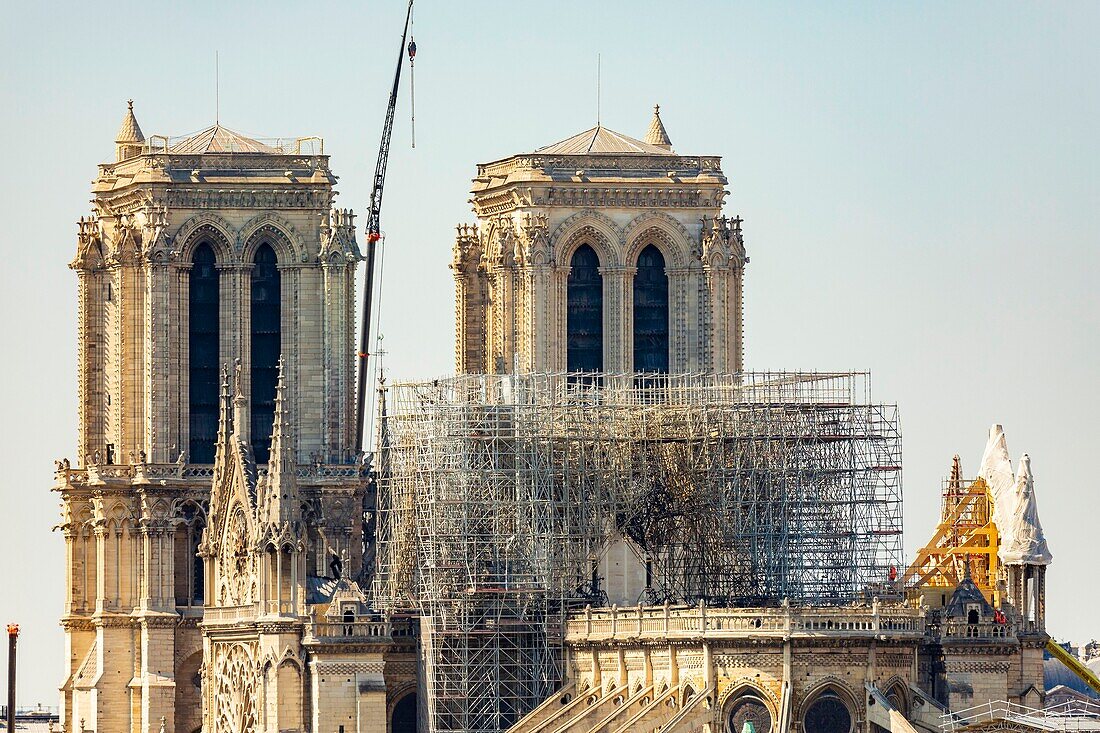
{"x": 374, "y": 234}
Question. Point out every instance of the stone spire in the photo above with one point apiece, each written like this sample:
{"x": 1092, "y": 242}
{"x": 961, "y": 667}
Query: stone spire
{"x": 129, "y": 139}
{"x": 281, "y": 505}
{"x": 656, "y": 135}
{"x": 225, "y": 414}
{"x": 240, "y": 419}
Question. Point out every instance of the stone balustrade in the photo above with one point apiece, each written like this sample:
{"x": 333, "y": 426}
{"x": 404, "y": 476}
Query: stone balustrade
{"x": 670, "y": 622}
{"x": 359, "y": 631}
{"x": 230, "y": 614}
{"x": 960, "y": 630}
{"x": 143, "y": 472}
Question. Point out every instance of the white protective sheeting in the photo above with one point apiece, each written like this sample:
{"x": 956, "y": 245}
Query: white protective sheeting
{"x": 997, "y": 471}
{"x": 1027, "y": 545}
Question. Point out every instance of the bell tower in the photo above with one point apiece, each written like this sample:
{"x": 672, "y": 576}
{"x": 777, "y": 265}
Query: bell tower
{"x": 199, "y": 251}
{"x": 600, "y": 253}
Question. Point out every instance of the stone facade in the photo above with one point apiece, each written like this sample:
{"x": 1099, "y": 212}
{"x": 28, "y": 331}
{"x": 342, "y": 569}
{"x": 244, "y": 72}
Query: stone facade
{"x": 869, "y": 667}
{"x": 618, "y": 196}
{"x": 152, "y": 641}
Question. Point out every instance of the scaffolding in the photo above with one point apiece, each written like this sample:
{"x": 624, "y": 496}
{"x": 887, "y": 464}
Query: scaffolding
{"x": 966, "y": 537}
{"x": 498, "y": 494}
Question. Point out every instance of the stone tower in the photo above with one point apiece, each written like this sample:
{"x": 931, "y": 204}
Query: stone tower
{"x": 199, "y": 252}
{"x": 600, "y": 253}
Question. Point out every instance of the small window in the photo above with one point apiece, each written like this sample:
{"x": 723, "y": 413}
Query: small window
{"x": 110, "y": 293}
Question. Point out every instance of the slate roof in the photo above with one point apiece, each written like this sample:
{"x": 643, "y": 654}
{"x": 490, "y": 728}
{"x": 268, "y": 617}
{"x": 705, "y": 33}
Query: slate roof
{"x": 601, "y": 141}
{"x": 218, "y": 139}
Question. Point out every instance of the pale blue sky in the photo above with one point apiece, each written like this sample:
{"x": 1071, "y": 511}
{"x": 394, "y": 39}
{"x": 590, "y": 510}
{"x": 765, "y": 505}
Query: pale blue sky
{"x": 918, "y": 182}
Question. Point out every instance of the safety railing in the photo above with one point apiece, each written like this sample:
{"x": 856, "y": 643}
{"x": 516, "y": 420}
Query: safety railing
{"x": 1074, "y": 716}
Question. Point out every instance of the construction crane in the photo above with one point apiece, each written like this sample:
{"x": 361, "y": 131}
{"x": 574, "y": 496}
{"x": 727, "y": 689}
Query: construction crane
{"x": 374, "y": 229}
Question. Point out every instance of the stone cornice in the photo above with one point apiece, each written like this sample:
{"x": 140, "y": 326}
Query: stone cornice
{"x": 706, "y": 196}
{"x": 682, "y": 164}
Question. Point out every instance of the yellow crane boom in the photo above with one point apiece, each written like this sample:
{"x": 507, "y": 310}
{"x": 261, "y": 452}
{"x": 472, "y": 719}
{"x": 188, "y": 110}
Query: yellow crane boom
{"x": 1074, "y": 665}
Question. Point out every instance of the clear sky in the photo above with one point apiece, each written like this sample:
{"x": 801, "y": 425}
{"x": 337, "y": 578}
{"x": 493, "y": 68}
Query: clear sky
{"x": 918, "y": 182}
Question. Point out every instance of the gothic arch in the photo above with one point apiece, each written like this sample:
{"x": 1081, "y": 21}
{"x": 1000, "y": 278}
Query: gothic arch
{"x": 746, "y": 687}
{"x": 398, "y": 700}
{"x": 896, "y": 687}
{"x": 89, "y": 256}
{"x": 672, "y": 249}
{"x": 205, "y": 227}
{"x": 605, "y": 250}
{"x": 654, "y": 227}
{"x": 276, "y": 231}
{"x": 592, "y": 228}
{"x": 396, "y": 696}
{"x": 751, "y": 686}
{"x": 836, "y": 686}
{"x": 118, "y": 513}
{"x": 188, "y": 690}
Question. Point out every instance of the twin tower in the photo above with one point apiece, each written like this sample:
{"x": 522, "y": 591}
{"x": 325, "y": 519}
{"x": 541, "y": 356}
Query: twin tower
{"x": 601, "y": 253}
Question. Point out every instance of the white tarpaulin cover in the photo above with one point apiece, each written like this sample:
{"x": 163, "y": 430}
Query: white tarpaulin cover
{"x": 1026, "y": 545}
{"x": 997, "y": 471}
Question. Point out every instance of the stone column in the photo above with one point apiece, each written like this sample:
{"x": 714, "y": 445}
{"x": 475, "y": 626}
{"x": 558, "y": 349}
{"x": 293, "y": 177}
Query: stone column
{"x": 616, "y": 280}
{"x": 179, "y": 373}
{"x": 684, "y": 326}
{"x": 157, "y": 354}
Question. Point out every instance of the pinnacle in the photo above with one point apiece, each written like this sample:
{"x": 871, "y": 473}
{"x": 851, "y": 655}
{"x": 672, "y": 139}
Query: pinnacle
{"x": 657, "y": 135}
{"x": 130, "y": 131}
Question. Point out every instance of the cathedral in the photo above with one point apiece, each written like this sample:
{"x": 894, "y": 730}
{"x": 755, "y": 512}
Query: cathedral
{"x": 600, "y": 523}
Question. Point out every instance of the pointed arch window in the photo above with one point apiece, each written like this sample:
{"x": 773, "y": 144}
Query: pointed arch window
{"x": 203, "y": 329}
{"x": 651, "y": 312}
{"x": 266, "y": 345}
{"x": 584, "y": 312}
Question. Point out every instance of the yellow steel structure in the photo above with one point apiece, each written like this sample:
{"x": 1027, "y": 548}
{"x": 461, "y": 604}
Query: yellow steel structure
{"x": 1074, "y": 665}
{"x": 966, "y": 534}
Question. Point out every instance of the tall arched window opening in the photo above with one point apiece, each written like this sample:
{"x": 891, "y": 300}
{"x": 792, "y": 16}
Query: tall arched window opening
{"x": 651, "y": 312}
{"x": 584, "y": 312}
{"x": 403, "y": 718}
{"x": 203, "y": 330}
{"x": 266, "y": 346}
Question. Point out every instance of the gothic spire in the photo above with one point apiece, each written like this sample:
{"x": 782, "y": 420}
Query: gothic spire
{"x": 281, "y": 503}
{"x": 225, "y": 414}
{"x": 240, "y": 419}
{"x": 130, "y": 130}
{"x": 129, "y": 139}
{"x": 657, "y": 135}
